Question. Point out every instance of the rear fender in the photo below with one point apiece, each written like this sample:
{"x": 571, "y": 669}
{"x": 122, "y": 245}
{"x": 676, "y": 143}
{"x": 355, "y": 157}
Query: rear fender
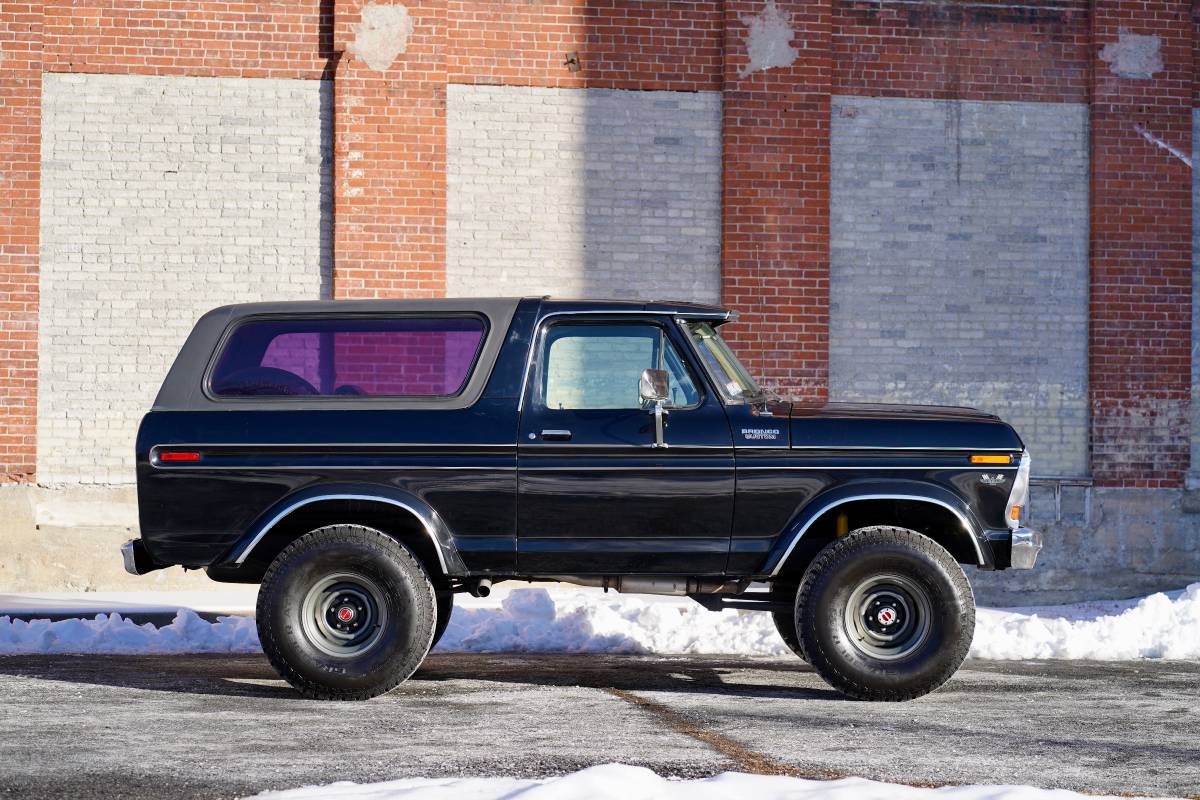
{"x": 401, "y": 501}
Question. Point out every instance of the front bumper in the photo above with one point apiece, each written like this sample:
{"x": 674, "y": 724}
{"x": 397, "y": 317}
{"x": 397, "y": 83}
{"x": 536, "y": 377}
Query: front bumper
{"x": 1026, "y": 544}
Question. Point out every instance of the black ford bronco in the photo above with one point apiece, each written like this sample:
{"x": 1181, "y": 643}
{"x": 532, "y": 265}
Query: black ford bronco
{"x": 364, "y": 461}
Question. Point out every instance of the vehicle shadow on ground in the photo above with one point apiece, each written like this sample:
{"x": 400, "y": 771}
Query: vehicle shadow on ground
{"x": 251, "y": 676}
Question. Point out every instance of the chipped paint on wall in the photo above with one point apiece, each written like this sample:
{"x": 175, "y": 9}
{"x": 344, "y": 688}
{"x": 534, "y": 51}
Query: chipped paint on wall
{"x": 1133, "y": 55}
{"x": 768, "y": 40}
{"x": 1157, "y": 142}
{"x": 382, "y": 35}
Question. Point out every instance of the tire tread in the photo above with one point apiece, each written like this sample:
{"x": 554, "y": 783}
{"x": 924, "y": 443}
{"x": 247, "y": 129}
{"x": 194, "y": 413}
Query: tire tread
{"x": 385, "y": 547}
{"x": 848, "y": 547}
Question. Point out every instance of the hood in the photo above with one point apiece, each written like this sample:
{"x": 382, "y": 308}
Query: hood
{"x": 888, "y": 426}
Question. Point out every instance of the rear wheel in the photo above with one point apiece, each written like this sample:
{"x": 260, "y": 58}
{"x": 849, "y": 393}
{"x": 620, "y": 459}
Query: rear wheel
{"x": 885, "y": 614}
{"x": 346, "y": 613}
{"x": 785, "y": 621}
{"x": 445, "y": 607}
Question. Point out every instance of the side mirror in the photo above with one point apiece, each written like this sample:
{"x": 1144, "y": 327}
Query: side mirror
{"x": 654, "y": 386}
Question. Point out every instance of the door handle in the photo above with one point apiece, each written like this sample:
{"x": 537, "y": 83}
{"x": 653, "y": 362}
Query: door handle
{"x": 556, "y": 436}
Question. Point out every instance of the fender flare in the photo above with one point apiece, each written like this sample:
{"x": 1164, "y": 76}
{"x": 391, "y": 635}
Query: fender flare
{"x": 431, "y": 522}
{"x": 916, "y": 491}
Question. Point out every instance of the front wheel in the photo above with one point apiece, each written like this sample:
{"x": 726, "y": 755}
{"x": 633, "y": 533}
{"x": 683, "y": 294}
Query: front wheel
{"x": 346, "y": 613}
{"x": 885, "y": 614}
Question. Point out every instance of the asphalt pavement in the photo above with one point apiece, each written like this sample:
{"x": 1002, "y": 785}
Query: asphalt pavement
{"x": 225, "y": 726}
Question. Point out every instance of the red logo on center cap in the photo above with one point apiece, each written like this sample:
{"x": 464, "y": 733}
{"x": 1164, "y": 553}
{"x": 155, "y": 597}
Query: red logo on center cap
{"x": 887, "y": 616}
{"x": 345, "y": 614}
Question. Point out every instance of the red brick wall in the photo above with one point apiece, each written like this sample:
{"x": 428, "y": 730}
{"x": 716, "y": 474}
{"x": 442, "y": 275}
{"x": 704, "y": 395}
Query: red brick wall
{"x": 280, "y": 39}
{"x": 390, "y": 162}
{"x": 20, "y": 146}
{"x": 1141, "y": 252}
{"x": 775, "y": 218}
{"x": 964, "y": 51}
{"x": 625, "y": 44}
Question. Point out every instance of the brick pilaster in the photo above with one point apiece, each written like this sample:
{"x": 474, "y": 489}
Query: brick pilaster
{"x": 775, "y": 220}
{"x": 20, "y": 144}
{"x": 390, "y": 160}
{"x": 1140, "y": 334}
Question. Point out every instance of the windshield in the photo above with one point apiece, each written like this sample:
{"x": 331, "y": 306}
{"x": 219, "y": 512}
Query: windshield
{"x": 728, "y": 373}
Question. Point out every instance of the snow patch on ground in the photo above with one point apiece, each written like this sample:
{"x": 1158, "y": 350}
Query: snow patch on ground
{"x": 588, "y": 621}
{"x": 112, "y": 633}
{"x": 622, "y": 782}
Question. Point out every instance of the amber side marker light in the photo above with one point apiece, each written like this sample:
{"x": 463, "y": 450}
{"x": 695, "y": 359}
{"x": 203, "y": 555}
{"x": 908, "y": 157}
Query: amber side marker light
{"x": 179, "y": 456}
{"x": 1015, "y": 514}
{"x": 991, "y": 459}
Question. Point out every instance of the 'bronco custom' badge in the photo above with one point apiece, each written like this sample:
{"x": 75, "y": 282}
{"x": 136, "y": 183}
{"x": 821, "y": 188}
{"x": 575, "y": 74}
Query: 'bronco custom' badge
{"x": 760, "y": 434}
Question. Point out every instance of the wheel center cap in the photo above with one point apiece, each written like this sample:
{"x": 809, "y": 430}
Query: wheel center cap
{"x": 886, "y": 615}
{"x": 345, "y": 613}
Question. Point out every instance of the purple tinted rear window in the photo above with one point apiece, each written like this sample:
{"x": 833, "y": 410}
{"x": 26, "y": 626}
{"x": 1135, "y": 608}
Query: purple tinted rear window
{"x": 381, "y": 357}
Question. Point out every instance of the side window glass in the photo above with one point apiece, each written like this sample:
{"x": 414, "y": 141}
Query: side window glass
{"x": 597, "y": 366}
{"x": 348, "y": 357}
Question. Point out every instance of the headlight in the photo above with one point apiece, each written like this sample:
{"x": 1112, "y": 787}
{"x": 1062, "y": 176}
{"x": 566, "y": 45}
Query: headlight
{"x": 1018, "y": 498}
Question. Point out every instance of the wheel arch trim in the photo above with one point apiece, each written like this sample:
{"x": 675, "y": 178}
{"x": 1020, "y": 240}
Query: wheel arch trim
{"x": 968, "y": 527}
{"x": 431, "y": 524}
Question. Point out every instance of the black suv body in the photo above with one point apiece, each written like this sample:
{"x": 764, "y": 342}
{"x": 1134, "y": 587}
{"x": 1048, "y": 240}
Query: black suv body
{"x": 365, "y": 460}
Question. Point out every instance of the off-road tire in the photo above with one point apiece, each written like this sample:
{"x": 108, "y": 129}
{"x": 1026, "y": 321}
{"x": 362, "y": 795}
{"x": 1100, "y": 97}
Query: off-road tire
{"x": 785, "y": 621}
{"x": 904, "y": 558}
{"x": 408, "y": 613}
{"x": 445, "y": 607}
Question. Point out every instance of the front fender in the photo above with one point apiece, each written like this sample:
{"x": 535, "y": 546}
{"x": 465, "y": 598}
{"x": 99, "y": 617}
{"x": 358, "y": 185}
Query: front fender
{"x": 403, "y": 501}
{"x": 890, "y": 489}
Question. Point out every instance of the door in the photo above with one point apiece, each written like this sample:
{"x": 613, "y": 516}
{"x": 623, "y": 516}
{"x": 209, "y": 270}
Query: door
{"x": 595, "y": 494}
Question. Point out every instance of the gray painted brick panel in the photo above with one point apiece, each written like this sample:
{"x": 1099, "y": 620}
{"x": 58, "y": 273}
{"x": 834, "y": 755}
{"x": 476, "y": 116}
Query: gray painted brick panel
{"x": 162, "y": 198}
{"x": 583, "y": 192}
{"x": 959, "y": 263}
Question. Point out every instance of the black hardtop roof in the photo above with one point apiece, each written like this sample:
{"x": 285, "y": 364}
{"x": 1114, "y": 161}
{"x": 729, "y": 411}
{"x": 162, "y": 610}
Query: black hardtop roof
{"x": 485, "y": 304}
{"x": 182, "y": 388}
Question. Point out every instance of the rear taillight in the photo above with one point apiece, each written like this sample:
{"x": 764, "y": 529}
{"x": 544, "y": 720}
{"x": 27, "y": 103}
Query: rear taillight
{"x": 178, "y": 455}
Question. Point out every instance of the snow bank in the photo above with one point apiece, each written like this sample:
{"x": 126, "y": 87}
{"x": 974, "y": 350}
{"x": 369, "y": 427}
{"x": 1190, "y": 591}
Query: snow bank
{"x": 536, "y": 621}
{"x": 587, "y": 621}
{"x": 533, "y": 620}
{"x": 112, "y": 633}
{"x": 621, "y": 782}
{"x": 1155, "y": 627}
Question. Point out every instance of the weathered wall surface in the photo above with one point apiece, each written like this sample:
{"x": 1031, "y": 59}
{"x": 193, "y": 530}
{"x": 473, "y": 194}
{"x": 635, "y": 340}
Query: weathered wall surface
{"x": 959, "y": 263}
{"x": 1193, "y": 481}
{"x": 162, "y": 197}
{"x": 1103, "y": 543}
{"x": 583, "y": 192}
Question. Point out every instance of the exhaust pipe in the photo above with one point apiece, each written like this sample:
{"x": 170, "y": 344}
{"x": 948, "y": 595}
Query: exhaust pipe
{"x": 482, "y": 589}
{"x": 678, "y": 587}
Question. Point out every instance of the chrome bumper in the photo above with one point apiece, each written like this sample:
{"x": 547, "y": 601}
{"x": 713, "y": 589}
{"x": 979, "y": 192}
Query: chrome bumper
{"x": 1026, "y": 544}
{"x": 137, "y": 560}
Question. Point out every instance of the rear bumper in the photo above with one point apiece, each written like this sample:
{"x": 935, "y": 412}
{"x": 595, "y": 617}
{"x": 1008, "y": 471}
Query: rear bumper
{"x": 1026, "y": 544}
{"x": 137, "y": 560}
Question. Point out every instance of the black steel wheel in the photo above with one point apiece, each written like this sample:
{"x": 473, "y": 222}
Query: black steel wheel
{"x": 346, "y": 613}
{"x": 885, "y": 614}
